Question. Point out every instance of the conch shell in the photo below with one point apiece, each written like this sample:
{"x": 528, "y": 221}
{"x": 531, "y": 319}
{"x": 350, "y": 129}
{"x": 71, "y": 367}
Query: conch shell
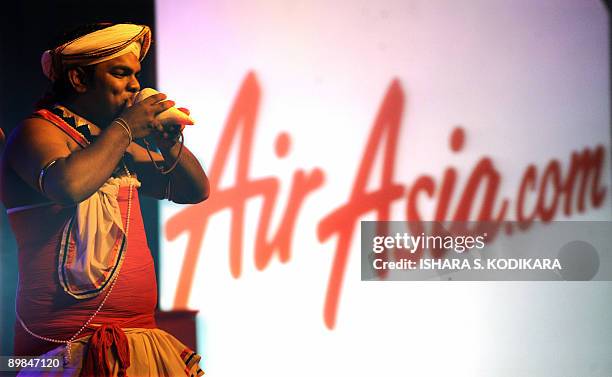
{"x": 171, "y": 116}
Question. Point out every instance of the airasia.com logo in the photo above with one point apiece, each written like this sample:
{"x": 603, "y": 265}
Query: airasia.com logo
{"x": 571, "y": 191}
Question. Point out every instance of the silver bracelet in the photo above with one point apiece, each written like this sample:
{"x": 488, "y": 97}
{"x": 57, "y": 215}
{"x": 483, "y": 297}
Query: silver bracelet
{"x": 42, "y": 174}
{"x": 126, "y": 127}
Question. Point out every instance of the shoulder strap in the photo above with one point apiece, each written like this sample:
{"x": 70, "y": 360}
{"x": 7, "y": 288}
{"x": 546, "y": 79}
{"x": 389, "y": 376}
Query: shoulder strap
{"x": 62, "y": 125}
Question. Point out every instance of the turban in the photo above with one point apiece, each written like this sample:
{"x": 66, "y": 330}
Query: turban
{"x": 96, "y": 47}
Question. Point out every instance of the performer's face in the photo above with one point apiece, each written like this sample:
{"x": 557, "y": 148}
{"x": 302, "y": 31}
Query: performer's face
{"x": 114, "y": 87}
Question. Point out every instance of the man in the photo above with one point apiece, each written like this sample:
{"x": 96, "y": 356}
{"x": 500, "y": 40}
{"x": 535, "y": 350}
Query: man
{"x": 71, "y": 176}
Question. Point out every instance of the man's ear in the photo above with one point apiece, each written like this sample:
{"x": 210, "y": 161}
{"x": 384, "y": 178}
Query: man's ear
{"x": 78, "y": 79}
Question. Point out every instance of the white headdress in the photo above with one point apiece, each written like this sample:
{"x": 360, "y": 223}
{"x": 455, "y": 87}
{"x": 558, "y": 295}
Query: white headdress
{"x": 96, "y": 47}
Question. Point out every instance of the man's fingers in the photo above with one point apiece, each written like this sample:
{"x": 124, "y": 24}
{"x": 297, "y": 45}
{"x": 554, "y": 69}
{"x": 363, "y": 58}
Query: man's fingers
{"x": 184, "y": 110}
{"x": 154, "y": 98}
{"x": 163, "y": 106}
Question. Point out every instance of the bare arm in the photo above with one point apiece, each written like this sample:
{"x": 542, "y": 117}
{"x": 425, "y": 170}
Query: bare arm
{"x": 76, "y": 174}
{"x": 187, "y": 183}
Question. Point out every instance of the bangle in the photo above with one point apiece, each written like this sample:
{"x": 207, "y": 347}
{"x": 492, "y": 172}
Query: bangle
{"x": 124, "y": 124}
{"x": 42, "y": 174}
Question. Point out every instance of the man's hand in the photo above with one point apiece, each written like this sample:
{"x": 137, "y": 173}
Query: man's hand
{"x": 167, "y": 136}
{"x": 141, "y": 116}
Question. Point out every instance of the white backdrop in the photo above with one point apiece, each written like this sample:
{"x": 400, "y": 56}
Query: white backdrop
{"x": 528, "y": 83}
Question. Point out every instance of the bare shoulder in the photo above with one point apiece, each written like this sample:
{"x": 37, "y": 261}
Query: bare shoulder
{"x": 32, "y": 145}
{"x": 38, "y": 130}
{"x": 38, "y": 137}
{"x": 29, "y": 147}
